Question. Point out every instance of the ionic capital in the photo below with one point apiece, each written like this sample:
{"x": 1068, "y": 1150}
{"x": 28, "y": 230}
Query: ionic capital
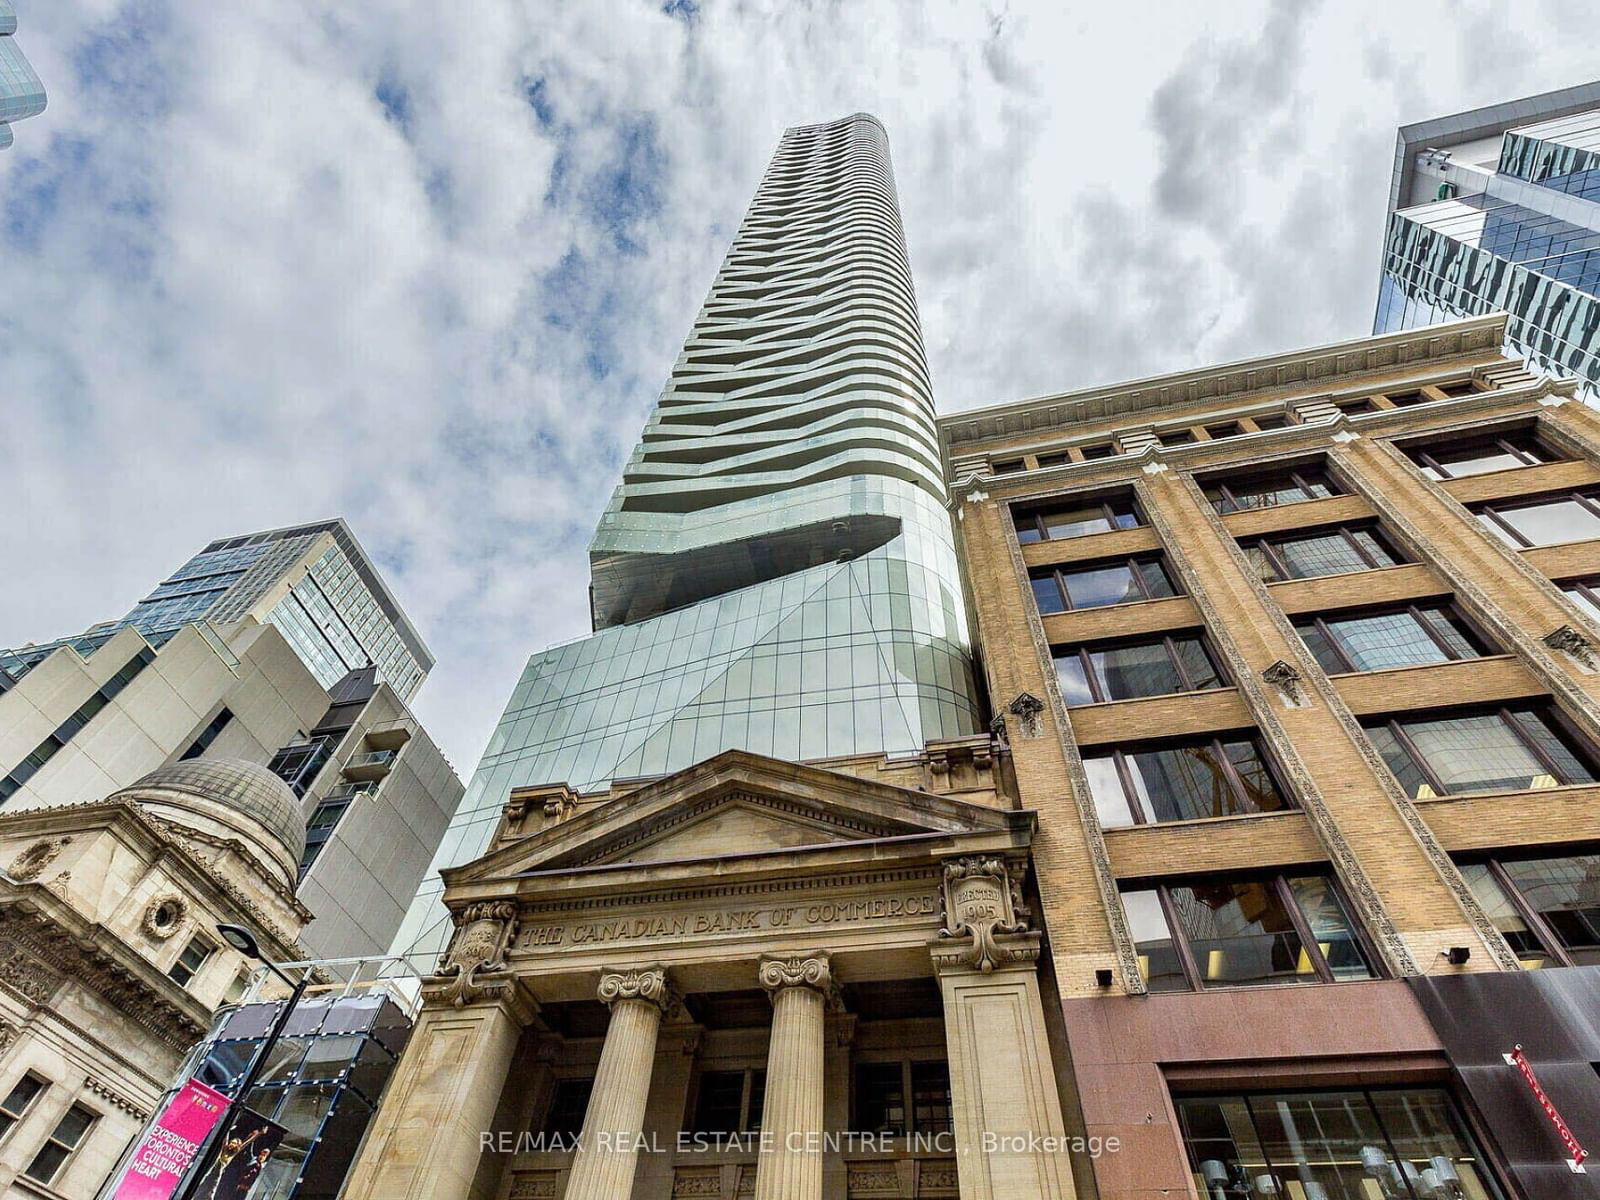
{"x": 649, "y": 984}
{"x": 779, "y": 971}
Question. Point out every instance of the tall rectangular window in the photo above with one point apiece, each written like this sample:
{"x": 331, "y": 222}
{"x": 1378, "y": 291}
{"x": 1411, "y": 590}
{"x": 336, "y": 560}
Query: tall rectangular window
{"x": 1180, "y": 781}
{"x": 881, "y": 1091}
{"x": 1403, "y": 636}
{"x": 1585, "y": 593}
{"x": 1457, "y": 458}
{"x": 18, "y": 1100}
{"x": 1334, "y": 551}
{"x": 1101, "y": 583}
{"x": 1268, "y": 489}
{"x": 67, "y": 1136}
{"x": 1072, "y": 517}
{"x": 1512, "y": 748}
{"x": 208, "y": 735}
{"x": 1547, "y": 909}
{"x": 1399, "y": 1143}
{"x": 730, "y": 1102}
{"x": 320, "y": 828}
{"x": 1245, "y": 932}
{"x": 1096, "y": 674}
{"x": 1547, "y": 521}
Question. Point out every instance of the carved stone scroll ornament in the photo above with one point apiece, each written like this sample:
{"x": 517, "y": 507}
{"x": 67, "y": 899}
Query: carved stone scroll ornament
{"x": 8, "y": 1034}
{"x": 796, "y": 970}
{"x": 483, "y": 933}
{"x": 978, "y": 896}
{"x": 642, "y": 983}
{"x": 1287, "y": 679}
{"x": 1027, "y": 709}
{"x": 1569, "y": 641}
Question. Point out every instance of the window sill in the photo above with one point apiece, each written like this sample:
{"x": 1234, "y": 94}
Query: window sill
{"x": 1111, "y": 705}
{"x": 1212, "y": 822}
{"x": 1427, "y": 666}
{"x": 1502, "y": 793}
{"x": 1302, "y": 579}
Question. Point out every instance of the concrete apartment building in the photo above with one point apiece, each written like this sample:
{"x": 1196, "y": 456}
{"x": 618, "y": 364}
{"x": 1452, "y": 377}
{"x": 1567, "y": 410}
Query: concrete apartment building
{"x": 1295, "y": 659}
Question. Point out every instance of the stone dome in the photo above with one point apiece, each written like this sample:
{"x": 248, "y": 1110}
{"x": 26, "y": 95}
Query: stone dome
{"x": 242, "y": 798}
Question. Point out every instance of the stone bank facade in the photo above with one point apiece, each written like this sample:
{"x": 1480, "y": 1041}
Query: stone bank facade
{"x": 720, "y": 974}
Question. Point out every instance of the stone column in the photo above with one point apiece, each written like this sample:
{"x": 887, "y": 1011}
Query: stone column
{"x": 613, "y": 1125}
{"x": 790, "y": 1165}
{"x": 1002, "y": 1080}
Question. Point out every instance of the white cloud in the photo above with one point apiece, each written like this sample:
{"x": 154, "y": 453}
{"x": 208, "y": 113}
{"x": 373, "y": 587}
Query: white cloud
{"x": 239, "y": 292}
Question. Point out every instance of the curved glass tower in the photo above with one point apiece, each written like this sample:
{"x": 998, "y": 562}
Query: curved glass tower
{"x": 776, "y": 571}
{"x": 21, "y": 93}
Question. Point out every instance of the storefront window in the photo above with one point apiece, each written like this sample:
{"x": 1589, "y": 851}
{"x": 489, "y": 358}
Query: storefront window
{"x": 1377, "y": 1144}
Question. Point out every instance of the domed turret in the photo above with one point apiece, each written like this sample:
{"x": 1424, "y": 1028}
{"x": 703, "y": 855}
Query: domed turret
{"x": 227, "y": 797}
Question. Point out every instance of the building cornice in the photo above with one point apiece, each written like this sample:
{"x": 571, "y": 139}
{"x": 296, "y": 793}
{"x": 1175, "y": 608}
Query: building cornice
{"x": 45, "y": 942}
{"x": 1319, "y": 368}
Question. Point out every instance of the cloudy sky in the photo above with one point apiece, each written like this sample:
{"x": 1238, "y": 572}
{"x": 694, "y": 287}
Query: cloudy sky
{"x": 426, "y": 265}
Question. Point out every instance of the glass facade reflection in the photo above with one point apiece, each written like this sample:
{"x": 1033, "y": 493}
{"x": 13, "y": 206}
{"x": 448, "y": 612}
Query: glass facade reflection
{"x": 1489, "y": 241}
{"x": 776, "y": 571}
{"x": 337, "y": 614}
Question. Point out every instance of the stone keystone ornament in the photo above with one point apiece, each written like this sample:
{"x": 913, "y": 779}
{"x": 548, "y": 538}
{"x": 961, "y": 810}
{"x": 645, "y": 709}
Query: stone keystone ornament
{"x": 978, "y": 905}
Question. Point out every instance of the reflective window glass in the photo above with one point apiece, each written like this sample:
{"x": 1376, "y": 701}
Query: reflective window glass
{"x": 1565, "y": 892}
{"x": 1241, "y": 933}
{"x": 1495, "y": 751}
{"x": 1159, "y": 963}
{"x": 1480, "y": 455}
{"x": 1330, "y": 927}
{"x": 1268, "y": 490}
{"x": 1546, "y": 523}
{"x": 1184, "y": 781}
{"x": 1502, "y": 910}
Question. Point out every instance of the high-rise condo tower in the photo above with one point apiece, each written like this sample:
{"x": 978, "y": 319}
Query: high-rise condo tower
{"x": 775, "y": 572}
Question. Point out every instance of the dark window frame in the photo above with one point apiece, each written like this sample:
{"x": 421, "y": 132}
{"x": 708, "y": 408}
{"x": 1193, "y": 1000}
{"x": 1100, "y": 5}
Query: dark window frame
{"x": 1531, "y": 917}
{"x": 1266, "y": 543}
{"x": 908, "y": 1095}
{"x": 1119, "y": 756}
{"x": 1058, "y": 572}
{"x": 1107, "y": 503}
{"x": 1222, "y": 430}
{"x": 1416, "y": 610}
{"x": 1577, "y": 744}
{"x": 1168, "y": 641}
{"x": 1299, "y": 473}
{"x": 11, "y": 1118}
{"x": 1279, "y": 879}
{"x": 1588, "y": 587}
{"x": 1492, "y": 510}
{"x": 752, "y": 1102}
{"x": 1467, "y": 1126}
{"x": 1420, "y": 451}
{"x": 191, "y": 973}
{"x": 63, "y": 1152}
{"x": 566, "y": 1129}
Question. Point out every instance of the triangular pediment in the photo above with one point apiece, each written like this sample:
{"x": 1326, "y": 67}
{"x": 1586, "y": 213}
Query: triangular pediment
{"x": 736, "y": 804}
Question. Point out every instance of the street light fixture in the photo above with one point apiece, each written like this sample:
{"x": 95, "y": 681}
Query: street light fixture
{"x": 242, "y": 940}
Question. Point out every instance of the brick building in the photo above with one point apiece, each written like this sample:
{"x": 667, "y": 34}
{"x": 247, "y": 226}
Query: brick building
{"x": 1294, "y": 659}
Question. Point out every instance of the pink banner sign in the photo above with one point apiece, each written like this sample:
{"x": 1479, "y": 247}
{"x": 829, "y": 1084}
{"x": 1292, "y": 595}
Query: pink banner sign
{"x": 170, "y": 1145}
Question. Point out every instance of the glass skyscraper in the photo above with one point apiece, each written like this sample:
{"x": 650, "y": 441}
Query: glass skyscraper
{"x": 313, "y": 582}
{"x": 1499, "y": 208}
{"x": 21, "y": 93}
{"x": 776, "y": 570}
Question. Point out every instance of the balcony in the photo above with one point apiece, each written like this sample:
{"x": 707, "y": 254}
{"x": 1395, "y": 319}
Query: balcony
{"x": 370, "y": 765}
